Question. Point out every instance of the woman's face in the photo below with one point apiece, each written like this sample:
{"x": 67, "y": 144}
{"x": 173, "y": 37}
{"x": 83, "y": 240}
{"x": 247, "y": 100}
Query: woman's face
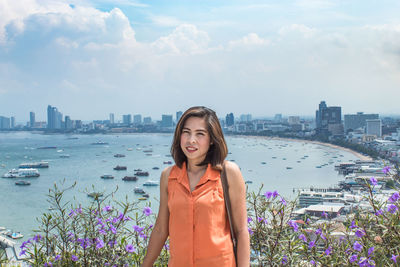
{"x": 195, "y": 139}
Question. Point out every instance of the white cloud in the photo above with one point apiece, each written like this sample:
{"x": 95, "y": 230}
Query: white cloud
{"x": 186, "y": 38}
{"x": 165, "y": 21}
{"x": 296, "y": 29}
{"x": 252, "y": 39}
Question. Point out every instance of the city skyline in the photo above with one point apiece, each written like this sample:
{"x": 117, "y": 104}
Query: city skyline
{"x": 91, "y": 58}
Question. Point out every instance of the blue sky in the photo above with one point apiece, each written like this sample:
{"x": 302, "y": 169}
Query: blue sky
{"x": 91, "y": 58}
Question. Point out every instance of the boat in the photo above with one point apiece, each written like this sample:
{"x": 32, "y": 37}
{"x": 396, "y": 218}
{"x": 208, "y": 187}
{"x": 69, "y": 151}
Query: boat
{"x": 263, "y": 162}
{"x": 22, "y": 183}
{"x": 95, "y": 194}
{"x": 30, "y": 165}
{"x": 148, "y": 151}
{"x": 145, "y": 195}
{"x": 248, "y": 182}
{"x": 119, "y": 155}
{"x": 138, "y": 190}
{"x": 150, "y": 183}
{"x": 99, "y": 143}
{"x": 21, "y": 173}
{"x": 13, "y": 235}
{"x": 137, "y": 170}
{"x": 289, "y": 168}
{"x": 120, "y": 168}
{"x": 318, "y": 167}
{"x": 130, "y": 178}
{"x": 155, "y": 168}
{"x": 167, "y": 162}
{"x": 64, "y": 156}
{"x": 143, "y": 198}
{"x": 141, "y": 173}
{"x": 107, "y": 176}
{"x": 47, "y": 147}
{"x": 274, "y": 157}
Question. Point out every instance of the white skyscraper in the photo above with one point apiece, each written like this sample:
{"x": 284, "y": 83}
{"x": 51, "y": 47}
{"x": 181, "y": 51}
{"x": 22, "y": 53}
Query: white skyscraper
{"x": 374, "y": 127}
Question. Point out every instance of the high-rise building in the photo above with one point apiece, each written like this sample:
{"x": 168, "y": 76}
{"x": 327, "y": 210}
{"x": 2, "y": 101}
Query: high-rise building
{"x": 127, "y": 119}
{"x": 166, "y": 121}
{"x": 178, "y": 116}
{"x": 278, "y": 118}
{"x": 12, "y": 122}
{"x": 245, "y": 117}
{"x": 230, "y": 119}
{"x": 54, "y": 118}
{"x": 147, "y": 120}
{"x": 326, "y": 116}
{"x": 374, "y": 127}
{"x": 68, "y": 123}
{"x": 137, "y": 119}
{"x": 359, "y": 120}
{"x": 31, "y": 119}
{"x": 4, "y": 122}
{"x": 292, "y": 120}
{"x": 111, "y": 118}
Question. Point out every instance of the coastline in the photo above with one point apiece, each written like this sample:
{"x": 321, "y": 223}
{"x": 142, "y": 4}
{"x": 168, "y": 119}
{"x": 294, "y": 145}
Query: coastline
{"x": 355, "y": 153}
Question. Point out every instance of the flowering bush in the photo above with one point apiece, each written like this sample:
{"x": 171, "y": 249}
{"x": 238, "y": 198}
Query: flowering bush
{"x": 98, "y": 235}
{"x": 117, "y": 235}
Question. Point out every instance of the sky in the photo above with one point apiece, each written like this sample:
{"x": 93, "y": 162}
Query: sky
{"x": 91, "y": 58}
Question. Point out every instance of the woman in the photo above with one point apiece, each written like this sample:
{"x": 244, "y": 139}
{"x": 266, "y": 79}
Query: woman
{"x": 192, "y": 209}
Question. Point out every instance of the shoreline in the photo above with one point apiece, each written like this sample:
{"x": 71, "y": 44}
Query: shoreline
{"x": 355, "y": 153}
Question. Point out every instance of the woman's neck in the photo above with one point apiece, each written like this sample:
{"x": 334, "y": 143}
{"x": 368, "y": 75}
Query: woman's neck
{"x": 194, "y": 168}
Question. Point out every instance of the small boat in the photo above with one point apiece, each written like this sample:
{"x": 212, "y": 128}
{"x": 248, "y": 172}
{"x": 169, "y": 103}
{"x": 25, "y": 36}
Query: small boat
{"x": 130, "y": 178}
{"x": 30, "y": 165}
{"x": 119, "y": 156}
{"x": 141, "y": 173}
{"x": 137, "y": 170}
{"x": 274, "y": 157}
{"x": 318, "y": 167}
{"x": 13, "y": 235}
{"x": 150, "y": 183}
{"x": 263, "y": 163}
{"x": 248, "y": 182}
{"x": 283, "y": 158}
{"x": 148, "y": 154}
{"x": 95, "y": 194}
{"x": 22, "y": 183}
{"x": 138, "y": 190}
{"x": 129, "y": 149}
{"x": 167, "y": 162}
{"x": 64, "y": 156}
{"x": 148, "y": 151}
{"x": 145, "y": 195}
{"x": 289, "y": 168}
{"x": 120, "y": 168}
{"x": 107, "y": 176}
{"x": 142, "y": 198}
{"x": 47, "y": 147}
{"x": 155, "y": 168}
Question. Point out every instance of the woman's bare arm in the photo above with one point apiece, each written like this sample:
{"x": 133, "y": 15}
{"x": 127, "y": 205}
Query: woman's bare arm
{"x": 160, "y": 231}
{"x": 237, "y": 194}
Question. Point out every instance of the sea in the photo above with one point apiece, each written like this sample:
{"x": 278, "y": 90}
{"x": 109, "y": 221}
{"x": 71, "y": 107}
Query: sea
{"x": 280, "y": 165}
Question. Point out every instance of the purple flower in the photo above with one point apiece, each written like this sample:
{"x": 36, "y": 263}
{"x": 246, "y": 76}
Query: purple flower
{"x": 72, "y": 213}
{"x": 130, "y": 248}
{"x": 294, "y": 225}
{"x": 74, "y": 258}
{"x": 22, "y": 252}
{"x": 284, "y": 260}
{"x": 363, "y": 262}
{"x": 48, "y": 264}
{"x": 353, "y": 225}
{"x": 79, "y": 210}
{"x": 318, "y": 231}
{"x": 275, "y": 194}
{"x": 394, "y": 258}
{"x": 379, "y": 212}
{"x": 107, "y": 208}
{"x": 166, "y": 246}
{"x": 392, "y": 208}
{"x": 147, "y": 211}
{"x": 249, "y": 219}
{"x": 360, "y": 233}
{"x": 24, "y": 244}
{"x": 373, "y": 181}
{"x": 371, "y": 251}
{"x": 303, "y": 237}
{"x": 143, "y": 235}
{"x": 283, "y": 201}
{"x": 394, "y": 197}
{"x": 268, "y": 194}
{"x": 99, "y": 243}
{"x": 58, "y": 257}
{"x": 353, "y": 258}
{"x": 357, "y": 246}
{"x": 386, "y": 169}
{"x": 37, "y": 238}
{"x": 113, "y": 229}
{"x": 137, "y": 228}
{"x": 112, "y": 243}
{"x": 312, "y": 262}
{"x": 311, "y": 244}
{"x": 102, "y": 231}
{"x": 250, "y": 231}
{"x": 324, "y": 214}
{"x": 328, "y": 251}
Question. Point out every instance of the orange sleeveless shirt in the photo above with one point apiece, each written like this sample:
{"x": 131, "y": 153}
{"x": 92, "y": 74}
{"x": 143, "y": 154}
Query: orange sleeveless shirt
{"x": 199, "y": 233}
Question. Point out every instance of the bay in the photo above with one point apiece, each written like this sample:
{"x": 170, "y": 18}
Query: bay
{"x": 278, "y": 164}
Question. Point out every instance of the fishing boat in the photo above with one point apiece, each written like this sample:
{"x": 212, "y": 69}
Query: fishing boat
{"x": 119, "y": 156}
{"x": 130, "y": 178}
{"x": 120, "y": 168}
{"x": 138, "y": 190}
{"x": 141, "y": 173}
{"x": 107, "y": 176}
{"x": 150, "y": 183}
{"x": 22, "y": 183}
{"x": 156, "y": 168}
{"x": 289, "y": 168}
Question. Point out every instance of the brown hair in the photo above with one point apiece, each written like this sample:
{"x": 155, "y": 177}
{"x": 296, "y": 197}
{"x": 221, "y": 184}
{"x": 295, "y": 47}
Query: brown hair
{"x": 218, "y": 150}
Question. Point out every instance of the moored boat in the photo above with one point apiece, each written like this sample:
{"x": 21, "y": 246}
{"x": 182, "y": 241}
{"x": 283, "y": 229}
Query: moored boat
{"x": 141, "y": 173}
{"x": 120, "y": 168}
{"x": 30, "y": 165}
{"x": 21, "y": 173}
{"x": 167, "y": 162}
{"x": 119, "y": 156}
{"x": 138, "y": 190}
{"x": 22, "y": 183}
{"x": 107, "y": 176}
{"x": 130, "y": 178}
{"x": 150, "y": 183}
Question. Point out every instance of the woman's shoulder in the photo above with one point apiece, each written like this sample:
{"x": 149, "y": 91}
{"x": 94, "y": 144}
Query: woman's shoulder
{"x": 166, "y": 172}
{"x": 231, "y": 166}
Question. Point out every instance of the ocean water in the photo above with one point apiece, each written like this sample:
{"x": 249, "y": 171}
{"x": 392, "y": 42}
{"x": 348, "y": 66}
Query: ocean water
{"x": 262, "y": 161}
